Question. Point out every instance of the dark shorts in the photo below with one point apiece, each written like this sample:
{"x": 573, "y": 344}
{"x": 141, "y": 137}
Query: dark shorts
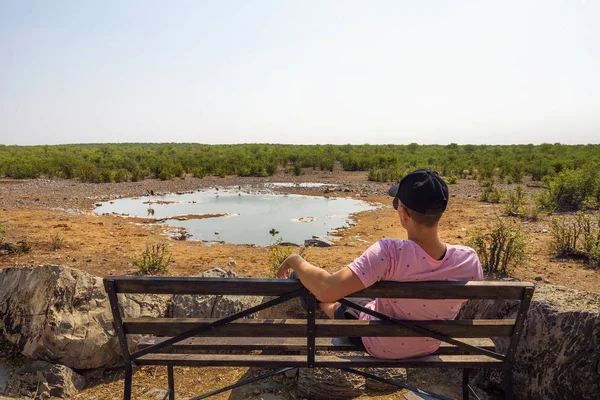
{"x": 345, "y": 312}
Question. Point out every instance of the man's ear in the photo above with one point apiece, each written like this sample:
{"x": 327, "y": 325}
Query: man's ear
{"x": 404, "y": 214}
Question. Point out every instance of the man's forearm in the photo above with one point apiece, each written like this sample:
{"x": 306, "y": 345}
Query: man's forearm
{"x": 312, "y": 277}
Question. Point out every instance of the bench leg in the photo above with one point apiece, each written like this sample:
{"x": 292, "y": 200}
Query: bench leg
{"x": 171, "y": 382}
{"x": 128, "y": 379}
{"x": 509, "y": 393}
{"x": 465, "y": 384}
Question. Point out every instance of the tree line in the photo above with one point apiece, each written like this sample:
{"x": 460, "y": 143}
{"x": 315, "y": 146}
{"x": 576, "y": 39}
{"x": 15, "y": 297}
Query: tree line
{"x": 135, "y": 161}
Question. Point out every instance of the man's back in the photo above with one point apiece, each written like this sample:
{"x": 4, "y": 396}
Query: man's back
{"x": 406, "y": 261}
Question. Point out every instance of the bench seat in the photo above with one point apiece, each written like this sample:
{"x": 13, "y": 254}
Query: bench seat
{"x": 330, "y": 361}
{"x": 287, "y": 344}
{"x": 473, "y": 328}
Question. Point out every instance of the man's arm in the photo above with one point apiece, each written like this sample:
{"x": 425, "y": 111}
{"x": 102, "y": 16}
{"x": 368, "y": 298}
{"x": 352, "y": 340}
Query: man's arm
{"x": 325, "y": 286}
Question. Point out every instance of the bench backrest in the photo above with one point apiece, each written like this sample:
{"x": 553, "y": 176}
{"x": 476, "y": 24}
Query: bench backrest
{"x": 311, "y": 327}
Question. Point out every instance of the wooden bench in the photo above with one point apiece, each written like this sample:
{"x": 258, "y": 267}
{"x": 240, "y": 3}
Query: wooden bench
{"x": 466, "y": 344}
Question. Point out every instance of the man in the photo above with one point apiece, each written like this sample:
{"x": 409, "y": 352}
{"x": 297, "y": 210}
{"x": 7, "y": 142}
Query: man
{"x": 420, "y": 199}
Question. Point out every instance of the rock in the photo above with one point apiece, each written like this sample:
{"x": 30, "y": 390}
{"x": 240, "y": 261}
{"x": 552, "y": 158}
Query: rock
{"x": 211, "y": 306}
{"x": 4, "y": 375}
{"x": 290, "y": 244}
{"x": 538, "y": 278}
{"x": 318, "y": 243}
{"x": 42, "y": 380}
{"x": 62, "y": 315}
{"x": 559, "y": 352}
{"x": 396, "y": 374}
{"x": 231, "y": 263}
{"x": 156, "y": 394}
{"x": 329, "y": 384}
{"x": 291, "y": 373}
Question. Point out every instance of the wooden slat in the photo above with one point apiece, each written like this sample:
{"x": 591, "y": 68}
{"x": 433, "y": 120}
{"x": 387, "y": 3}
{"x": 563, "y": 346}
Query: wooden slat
{"x": 274, "y": 287}
{"x": 325, "y": 328}
{"x": 287, "y": 344}
{"x": 431, "y": 361}
{"x": 279, "y": 361}
{"x": 475, "y": 290}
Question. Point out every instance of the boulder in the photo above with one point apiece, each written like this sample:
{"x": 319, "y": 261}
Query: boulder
{"x": 42, "y": 380}
{"x": 395, "y": 374}
{"x": 318, "y": 242}
{"x": 558, "y": 356}
{"x": 329, "y": 384}
{"x": 212, "y": 306}
{"x": 62, "y": 315}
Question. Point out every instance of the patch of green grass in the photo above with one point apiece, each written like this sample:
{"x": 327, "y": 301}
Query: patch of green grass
{"x": 154, "y": 260}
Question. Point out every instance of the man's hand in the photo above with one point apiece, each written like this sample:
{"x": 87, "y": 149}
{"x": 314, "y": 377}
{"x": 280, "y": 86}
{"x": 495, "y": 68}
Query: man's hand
{"x": 288, "y": 264}
{"x": 325, "y": 286}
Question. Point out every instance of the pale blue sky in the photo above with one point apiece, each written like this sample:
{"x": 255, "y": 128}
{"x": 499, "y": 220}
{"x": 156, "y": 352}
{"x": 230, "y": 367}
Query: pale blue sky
{"x": 300, "y": 71}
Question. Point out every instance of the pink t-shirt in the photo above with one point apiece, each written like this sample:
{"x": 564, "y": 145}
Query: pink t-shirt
{"x": 405, "y": 261}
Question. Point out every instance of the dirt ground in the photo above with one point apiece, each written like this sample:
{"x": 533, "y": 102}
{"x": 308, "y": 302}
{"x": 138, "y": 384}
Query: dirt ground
{"x": 37, "y": 210}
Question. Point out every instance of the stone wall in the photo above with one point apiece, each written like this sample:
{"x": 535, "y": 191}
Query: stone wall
{"x": 559, "y": 353}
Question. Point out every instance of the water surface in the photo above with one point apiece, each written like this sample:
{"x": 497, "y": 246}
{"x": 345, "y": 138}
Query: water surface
{"x": 250, "y": 216}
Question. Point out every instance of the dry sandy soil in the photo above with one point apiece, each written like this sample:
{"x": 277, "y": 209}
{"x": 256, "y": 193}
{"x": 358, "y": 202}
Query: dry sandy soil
{"x": 38, "y": 210}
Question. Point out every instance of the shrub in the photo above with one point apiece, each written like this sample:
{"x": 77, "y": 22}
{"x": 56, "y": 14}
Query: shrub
{"x": 271, "y": 169}
{"x": 491, "y": 194}
{"x": 136, "y": 175}
{"x": 278, "y": 254}
{"x": 577, "y": 236}
{"x": 121, "y": 175}
{"x": 452, "y": 180}
{"x": 514, "y": 201}
{"x": 502, "y": 249}
{"x": 298, "y": 169}
{"x": 153, "y": 260}
{"x": 568, "y": 191}
{"x": 386, "y": 175}
{"x": 56, "y": 242}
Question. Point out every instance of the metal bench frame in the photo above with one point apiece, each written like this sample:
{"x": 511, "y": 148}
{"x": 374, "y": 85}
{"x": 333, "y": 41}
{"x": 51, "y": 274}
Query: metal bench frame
{"x": 285, "y": 290}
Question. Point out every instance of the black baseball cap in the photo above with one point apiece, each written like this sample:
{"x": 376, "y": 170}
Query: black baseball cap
{"x": 423, "y": 191}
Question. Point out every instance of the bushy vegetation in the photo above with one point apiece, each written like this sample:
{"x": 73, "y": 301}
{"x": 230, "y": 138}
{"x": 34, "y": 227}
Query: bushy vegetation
{"x": 134, "y": 162}
{"x": 452, "y": 180}
{"x": 502, "y": 248}
{"x": 577, "y": 236}
{"x": 514, "y": 201}
{"x": 491, "y": 193}
{"x": 571, "y": 190}
{"x": 154, "y": 260}
{"x": 278, "y": 254}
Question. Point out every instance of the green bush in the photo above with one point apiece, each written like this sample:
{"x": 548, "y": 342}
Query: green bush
{"x": 576, "y": 236}
{"x": 502, "y": 249}
{"x": 491, "y": 194}
{"x": 569, "y": 190}
{"x": 278, "y": 254}
{"x": 153, "y": 260}
{"x": 452, "y": 180}
{"x": 298, "y": 169}
{"x": 514, "y": 201}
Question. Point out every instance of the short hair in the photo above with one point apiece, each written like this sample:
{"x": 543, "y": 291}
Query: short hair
{"x": 429, "y": 220}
